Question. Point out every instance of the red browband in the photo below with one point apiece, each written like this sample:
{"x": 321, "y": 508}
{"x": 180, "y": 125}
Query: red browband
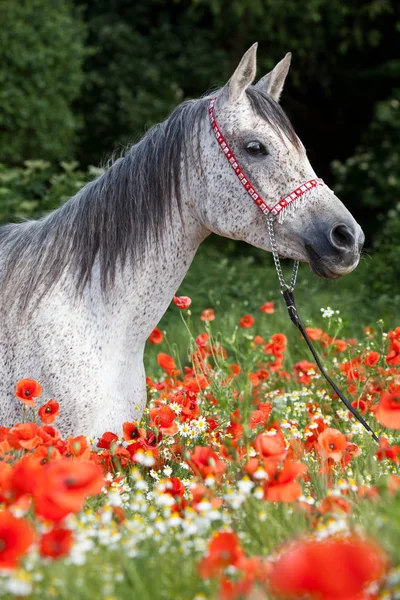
{"x": 254, "y": 195}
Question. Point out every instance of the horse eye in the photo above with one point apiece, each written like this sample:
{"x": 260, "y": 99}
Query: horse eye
{"x": 256, "y": 149}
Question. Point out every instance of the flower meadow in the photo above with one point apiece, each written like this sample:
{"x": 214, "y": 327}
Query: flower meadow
{"x": 246, "y": 478}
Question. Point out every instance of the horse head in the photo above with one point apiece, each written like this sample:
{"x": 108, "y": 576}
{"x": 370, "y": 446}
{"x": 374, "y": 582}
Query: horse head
{"x": 316, "y": 228}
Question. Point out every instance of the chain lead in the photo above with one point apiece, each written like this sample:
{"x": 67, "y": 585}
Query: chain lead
{"x": 283, "y": 285}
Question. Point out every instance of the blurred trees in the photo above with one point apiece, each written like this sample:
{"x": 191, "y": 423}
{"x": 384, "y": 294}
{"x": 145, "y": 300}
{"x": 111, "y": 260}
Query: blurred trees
{"x": 142, "y": 58}
{"x": 42, "y": 52}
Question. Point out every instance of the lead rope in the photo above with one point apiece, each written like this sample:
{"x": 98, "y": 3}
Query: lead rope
{"x": 287, "y": 293}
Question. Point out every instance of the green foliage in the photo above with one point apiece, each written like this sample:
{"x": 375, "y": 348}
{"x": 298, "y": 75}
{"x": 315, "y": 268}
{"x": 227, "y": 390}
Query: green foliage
{"x": 147, "y": 57}
{"x": 372, "y": 176}
{"x": 37, "y": 188}
{"x": 42, "y": 50}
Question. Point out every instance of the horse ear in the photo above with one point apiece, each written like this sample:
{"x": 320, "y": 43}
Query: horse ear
{"x": 243, "y": 76}
{"x": 273, "y": 82}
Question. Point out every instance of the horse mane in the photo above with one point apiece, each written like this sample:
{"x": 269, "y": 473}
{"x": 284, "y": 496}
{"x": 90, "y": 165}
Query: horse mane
{"x": 115, "y": 217}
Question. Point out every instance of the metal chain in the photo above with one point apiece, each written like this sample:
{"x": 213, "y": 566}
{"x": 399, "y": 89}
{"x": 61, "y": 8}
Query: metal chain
{"x": 274, "y": 249}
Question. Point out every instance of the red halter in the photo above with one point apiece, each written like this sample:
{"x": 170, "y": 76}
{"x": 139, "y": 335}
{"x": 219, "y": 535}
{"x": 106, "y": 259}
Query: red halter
{"x": 254, "y": 195}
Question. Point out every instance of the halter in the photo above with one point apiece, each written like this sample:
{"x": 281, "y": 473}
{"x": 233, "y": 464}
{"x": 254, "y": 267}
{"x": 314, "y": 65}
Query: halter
{"x": 272, "y": 212}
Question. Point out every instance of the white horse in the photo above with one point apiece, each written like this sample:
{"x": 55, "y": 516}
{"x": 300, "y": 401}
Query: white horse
{"x": 82, "y": 288}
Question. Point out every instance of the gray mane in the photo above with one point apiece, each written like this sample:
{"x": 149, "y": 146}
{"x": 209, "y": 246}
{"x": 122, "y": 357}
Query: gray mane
{"x": 116, "y": 216}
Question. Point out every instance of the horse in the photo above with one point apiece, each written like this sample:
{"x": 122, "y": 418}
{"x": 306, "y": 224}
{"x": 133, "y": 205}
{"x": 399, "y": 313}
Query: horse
{"x": 82, "y": 288}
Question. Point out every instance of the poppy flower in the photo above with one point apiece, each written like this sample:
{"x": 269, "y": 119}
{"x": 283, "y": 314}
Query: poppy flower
{"x": 334, "y": 504}
{"x": 130, "y": 431}
{"x": 27, "y": 390}
{"x": 204, "y": 461}
{"x": 393, "y": 351}
{"x": 24, "y": 436}
{"x": 64, "y": 486}
{"x": 327, "y": 569}
{"x": 332, "y": 443}
{"x": 303, "y": 371}
{"x": 156, "y": 336}
{"x": 247, "y": 321}
{"x": 164, "y": 419}
{"x": 107, "y": 439}
{"x": 167, "y": 363}
{"x": 49, "y": 434}
{"x": 223, "y": 550}
{"x": 268, "y": 308}
{"x": 207, "y": 315}
{"x": 371, "y": 359}
{"x": 78, "y": 447}
{"x": 283, "y": 486}
{"x": 387, "y": 451}
{"x": 16, "y": 535}
{"x": 48, "y": 412}
{"x": 56, "y": 543}
{"x": 314, "y": 333}
{"x": 388, "y": 409}
{"x": 182, "y": 301}
{"x": 271, "y": 445}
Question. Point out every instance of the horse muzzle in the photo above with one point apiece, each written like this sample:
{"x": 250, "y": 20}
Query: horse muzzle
{"x": 337, "y": 251}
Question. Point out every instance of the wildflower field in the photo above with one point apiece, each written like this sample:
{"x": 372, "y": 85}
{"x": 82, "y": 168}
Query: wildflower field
{"x": 246, "y": 479}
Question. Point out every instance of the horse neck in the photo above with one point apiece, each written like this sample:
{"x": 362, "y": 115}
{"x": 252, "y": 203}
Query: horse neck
{"x": 142, "y": 294}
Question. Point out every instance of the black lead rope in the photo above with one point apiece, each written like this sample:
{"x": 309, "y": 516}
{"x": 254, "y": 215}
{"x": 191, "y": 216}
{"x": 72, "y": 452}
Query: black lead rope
{"x": 294, "y": 316}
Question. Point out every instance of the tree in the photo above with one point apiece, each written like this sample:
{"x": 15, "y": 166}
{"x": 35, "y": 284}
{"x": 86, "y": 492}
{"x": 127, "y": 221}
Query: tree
{"x": 42, "y": 51}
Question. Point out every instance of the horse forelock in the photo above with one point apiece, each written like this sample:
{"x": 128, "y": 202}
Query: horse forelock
{"x": 269, "y": 110}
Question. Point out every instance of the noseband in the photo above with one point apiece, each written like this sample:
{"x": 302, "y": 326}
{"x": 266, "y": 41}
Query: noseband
{"x": 272, "y": 212}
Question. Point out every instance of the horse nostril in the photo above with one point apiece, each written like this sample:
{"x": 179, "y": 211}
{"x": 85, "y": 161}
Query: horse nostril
{"x": 342, "y": 237}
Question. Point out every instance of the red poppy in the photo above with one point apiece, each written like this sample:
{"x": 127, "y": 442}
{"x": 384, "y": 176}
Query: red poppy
{"x": 107, "y": 439}
{"x": 16, "y": 535}
{"x": 261, "y": 415}
{"x": 271, "y": 445}
{"x": 314, "y": 333}
{"x": 175, "y": 487}
{"x": 156, "y": 336}
{"x": 182, "y": 301}
{"x": 27, "y": 390}
{"x": 49, "y": 434}
{"x": 254, "y": 379}
{"x": 24, "y": 436}
{"x": 48, "y": 412}
{"x": 387, "y": 451}
{"x": 130, "y": 431}
{"x": 204, "y": 461}
{"x": 235, "y": 369}
{"x": 247, "y": 321}
{"x": 332, "y": 443}
{"x": 164, "y": 419}
{"x": 202, "y": 339}
{"x": 334, "y": 504}
{"x": 283, "y": 486}
{"x": 78, "y": 447}
{"x": 56, "y": 543}
{"x": 167, "y": 363}
{"x": 393, "y": 351}
{"x": 388, "y": 409}
{"x": 64, "y": 486}
{"x": 223, "y": 550}
{"x": 302, "y": 371}
{"x": 371, "y": 359}
{"x": 327, "y": 569}
{"x": 207, "y": 315}
{"x": 268, "y": 308}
